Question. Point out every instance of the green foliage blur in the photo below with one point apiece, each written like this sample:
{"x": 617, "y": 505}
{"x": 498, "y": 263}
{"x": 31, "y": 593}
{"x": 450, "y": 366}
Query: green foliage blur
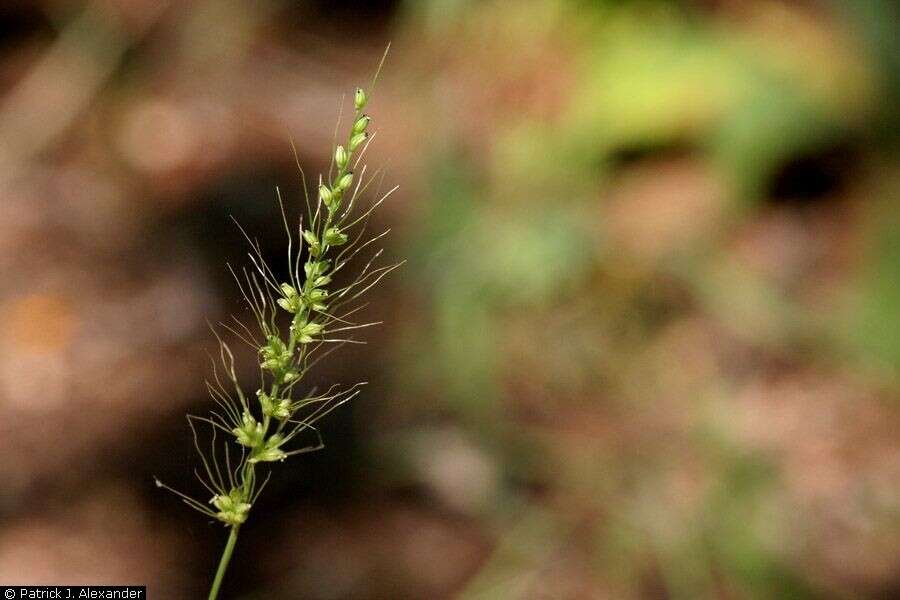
{"x": 659, "y": 248}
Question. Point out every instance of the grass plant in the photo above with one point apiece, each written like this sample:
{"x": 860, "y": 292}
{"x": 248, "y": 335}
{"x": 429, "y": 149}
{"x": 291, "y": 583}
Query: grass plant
{"x": 295, "y": 324}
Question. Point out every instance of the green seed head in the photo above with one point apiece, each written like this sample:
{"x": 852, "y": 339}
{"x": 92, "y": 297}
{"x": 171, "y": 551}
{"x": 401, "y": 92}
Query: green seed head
{"x": 325, "y": 194}
{"x": 270, "y": 451}
{"x": 312, "y": 242}
{"x": 334, "y": 237}
{"x": 291, "y": 305}
{"x": 360, "y": 99}
{"x": 336, "y": 196}
{"x": 282, "y": 409}
{"x": 314, "y": 268}
{"x": 277, "y": 408}
{"x": 357, "y": 140}
{"x": 345, "y": 181}
{"x": 361, "y": 124}
{"x": 291, "y": 300}
{"x": 260, "y": 431}
{"x": 250, "y": 433}
{"x": 341, "y": 157}
{"x": 315, "y": 299}
{"x": 307, "y": 332}
{"x": 232, "y": 507}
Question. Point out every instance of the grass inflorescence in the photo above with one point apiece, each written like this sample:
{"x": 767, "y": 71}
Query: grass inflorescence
{"x": 247, "y": 432}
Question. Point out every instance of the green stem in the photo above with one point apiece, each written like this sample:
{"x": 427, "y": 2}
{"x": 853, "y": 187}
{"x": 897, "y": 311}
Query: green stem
{"x": 223, "y": 563}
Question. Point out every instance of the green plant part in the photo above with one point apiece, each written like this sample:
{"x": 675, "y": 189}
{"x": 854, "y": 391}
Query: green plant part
{"x": 250, "y": 433}
{"x": 277, "y": 408}
{"x": 275, "y": 353}
{"x": 269, "y": 450}
{"x": 290, "y": 301}
{"x": 272, "y": 426}
{"x": 233, "y": 509}
{"x": 341, "y": 157}
{"x": 306, "y": 331}
{"x": 345, "y": 182}
{"x": 361, "y": 124}
{"x": 357, "y": 140}
{"x": 360, "y": 99}
{"x": 327, "y": 196}
{"x": 312, "y": 244}
{"x": 334, "y": 237}
{"x": 315, "y": 299}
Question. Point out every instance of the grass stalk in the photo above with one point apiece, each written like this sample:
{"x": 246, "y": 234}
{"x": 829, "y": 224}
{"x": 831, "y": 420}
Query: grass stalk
{"x": 223, "y": 563}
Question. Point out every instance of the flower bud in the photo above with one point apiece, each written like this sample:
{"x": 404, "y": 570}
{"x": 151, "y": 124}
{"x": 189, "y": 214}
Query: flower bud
{"x": 360, "y": 99}
{"x": 282, "y": 409}
{"x": 232, "y": 508}
{"x": 361, "y": 124}
{"x": 316, "y": 268}
{"x": 336, "y": 195}
{"x": 274, "y": 347}
{"x": 250, "y": 433}
{"x": 315, "y": 299}
{"x": 341, "y": 157}
{"x": 318, "y": 294}
{"x": 270, "y": 451}
{"x": 357, "y": 140}
{"x": 291, "y": 300}
{"x": 325, "y": 194}
{"x": 267, "y": 455}
{"x": 275, "y": 353}
{"x": 345, "y": 181}
{"x": 270, "y": 364}
{"x": 312, "y": 243}
{"x": 334, "y": 237}
{"x": 291, "y": 304}
{"x": 308, "y": 331}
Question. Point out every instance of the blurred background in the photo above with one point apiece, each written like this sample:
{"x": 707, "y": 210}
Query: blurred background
{"x": 646, "y": 344}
